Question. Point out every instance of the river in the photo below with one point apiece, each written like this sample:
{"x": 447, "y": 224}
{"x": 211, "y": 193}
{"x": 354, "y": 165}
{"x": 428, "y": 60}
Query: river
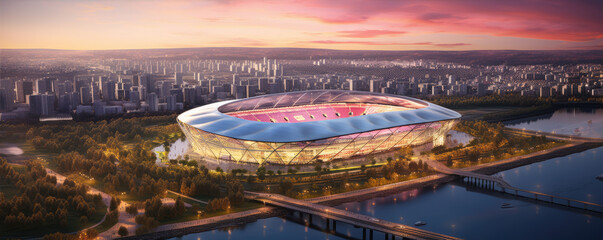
{"x": 457, "y": 210}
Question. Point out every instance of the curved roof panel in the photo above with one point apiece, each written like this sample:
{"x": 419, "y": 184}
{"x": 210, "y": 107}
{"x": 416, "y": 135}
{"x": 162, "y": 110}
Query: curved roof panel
{"x": 212, "y": 118}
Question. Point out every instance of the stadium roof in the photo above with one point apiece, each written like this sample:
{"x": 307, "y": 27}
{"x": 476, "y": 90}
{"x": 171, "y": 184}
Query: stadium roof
{"x": 212, "y": 118}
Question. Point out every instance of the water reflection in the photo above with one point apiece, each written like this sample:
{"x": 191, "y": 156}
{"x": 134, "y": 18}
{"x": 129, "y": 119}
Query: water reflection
{"x": 585, "y": 122}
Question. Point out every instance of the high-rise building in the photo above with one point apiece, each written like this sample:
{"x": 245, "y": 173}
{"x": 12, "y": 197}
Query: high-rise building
{"x": 288, "y": 85}
{"x": 95, "y": 91}
{"x": 5, "y": 100}
{"x": 263, "y": 85}
{"x": 190, "y": 96}
{"x": 352, "y": 85}
{"x": 545, "y": 92}
{"x": 99, "y": 109}
{"x": 451, "y": 79}
{"x": 375, "y": 85}
{"x": 64, "y": 105}
{"x": 251, "y": 90}
{"x": 171, "y": 103}
{"x": 23, "y": 88}
{"x": 85, "y": 96}
{"x": 7, "y": 94}
{"x": 45, "y": 85}
{"x": 108, "y": 91}
{"x": 135, "y": 97}
{"x": 41, "y": 104}
{"x": 178, "y": 78}
{"x": 152, "y": 102}
{"x": 240, "y": 92}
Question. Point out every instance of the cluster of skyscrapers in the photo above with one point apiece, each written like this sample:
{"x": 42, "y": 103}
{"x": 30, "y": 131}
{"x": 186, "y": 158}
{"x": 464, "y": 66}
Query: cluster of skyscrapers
{"x": 115, "y": 86}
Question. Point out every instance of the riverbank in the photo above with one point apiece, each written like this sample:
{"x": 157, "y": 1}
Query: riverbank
{"x": 207, "y": 224}
{"x": 179, "y": 229}
{"x": 527, "y": 112}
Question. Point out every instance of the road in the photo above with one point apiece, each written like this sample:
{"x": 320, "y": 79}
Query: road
{"x": 345, "y": 216}
{"x": 187, "y": 197}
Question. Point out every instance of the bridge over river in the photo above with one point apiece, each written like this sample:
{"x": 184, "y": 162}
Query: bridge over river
{"x": 490, "y": 182}
{"x": 334, "y": 215}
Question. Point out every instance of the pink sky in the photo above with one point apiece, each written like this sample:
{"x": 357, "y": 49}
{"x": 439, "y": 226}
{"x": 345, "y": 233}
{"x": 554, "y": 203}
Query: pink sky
{"x": 334, "y": 24}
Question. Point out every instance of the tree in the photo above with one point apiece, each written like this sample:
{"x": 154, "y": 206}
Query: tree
{"x": 218, "y": 169}
{"x": 405, "y": 152}
{"x": 217, "y": 204}
{"x": 114, "y": 203}
{"x": 286, "y": 186}
{"x": 250, "y": 179}
{"x": 179, "y": 206}
{"x": 132, "y": 209}
{"x": 83, "y": 220}
{"x": 123, "y": 231}
{"x": 270, "y": 173}
{"x": 318, "y": 167}
{"x": 261, "y": 173}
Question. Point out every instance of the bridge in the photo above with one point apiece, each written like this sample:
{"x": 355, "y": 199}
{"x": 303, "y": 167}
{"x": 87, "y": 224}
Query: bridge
{"x": 556, "y": 136}
{"x": 490, "y": 182}
{"x": 334, "y": 215}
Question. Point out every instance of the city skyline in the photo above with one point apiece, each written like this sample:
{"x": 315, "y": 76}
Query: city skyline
{"x": 356, "y": 25}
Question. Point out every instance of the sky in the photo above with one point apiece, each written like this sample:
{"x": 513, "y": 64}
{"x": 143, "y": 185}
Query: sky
{"x": 333, "y": 24}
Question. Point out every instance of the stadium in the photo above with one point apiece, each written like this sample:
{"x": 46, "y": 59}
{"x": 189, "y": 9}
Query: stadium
{"x": 309, "y": 126}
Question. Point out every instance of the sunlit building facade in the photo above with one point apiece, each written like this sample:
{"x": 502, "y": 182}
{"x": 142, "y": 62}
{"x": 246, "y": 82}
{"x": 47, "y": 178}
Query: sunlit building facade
{"x": 309, "y": 126}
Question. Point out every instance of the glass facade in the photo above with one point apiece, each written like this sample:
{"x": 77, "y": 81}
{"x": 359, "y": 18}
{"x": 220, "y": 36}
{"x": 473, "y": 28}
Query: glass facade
{"x": 304, "y": 127}
{"x": 341, "y": 147}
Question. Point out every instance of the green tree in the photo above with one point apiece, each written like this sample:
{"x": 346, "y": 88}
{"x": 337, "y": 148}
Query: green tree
{"x": 318, "y": 167}
{"x": 123, "y": 231}
{"x": 286, "y": 186}
{"x": 261, "y": 173}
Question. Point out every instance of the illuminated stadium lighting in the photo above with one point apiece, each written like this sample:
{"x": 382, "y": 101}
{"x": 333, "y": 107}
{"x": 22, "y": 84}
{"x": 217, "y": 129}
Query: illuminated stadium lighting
{"x": 309, "y": 126}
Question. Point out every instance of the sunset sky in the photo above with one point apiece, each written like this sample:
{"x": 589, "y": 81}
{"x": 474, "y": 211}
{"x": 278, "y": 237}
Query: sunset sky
{"x": 333, "y": 24}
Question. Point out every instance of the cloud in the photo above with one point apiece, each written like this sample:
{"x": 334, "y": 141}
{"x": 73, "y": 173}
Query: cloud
{"x": 329, "y": 19}
{"x": 566, "y": 20}
{"x": 437, "y": 16}
{"x": 368, "y": 33}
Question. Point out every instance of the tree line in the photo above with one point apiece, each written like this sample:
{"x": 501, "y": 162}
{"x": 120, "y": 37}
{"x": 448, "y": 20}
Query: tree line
{"x": 40, "y": 202}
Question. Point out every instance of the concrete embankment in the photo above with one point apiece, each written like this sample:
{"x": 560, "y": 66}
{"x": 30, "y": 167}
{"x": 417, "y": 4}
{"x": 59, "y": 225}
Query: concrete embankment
{"x": 206, "y": 224}
{"x": 179, "y": 229}
{"x": 506, "y": 164}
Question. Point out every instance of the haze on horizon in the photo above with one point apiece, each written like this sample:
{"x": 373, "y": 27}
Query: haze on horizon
{"x": 336, "y": 24}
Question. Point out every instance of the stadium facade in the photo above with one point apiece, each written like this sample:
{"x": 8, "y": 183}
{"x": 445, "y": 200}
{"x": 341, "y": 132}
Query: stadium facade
{"x": 304, "y": 127}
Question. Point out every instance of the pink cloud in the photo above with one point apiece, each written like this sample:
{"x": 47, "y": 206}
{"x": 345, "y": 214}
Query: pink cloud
{"x": 579, "y": 20}
{"x": 368, "y": 33}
